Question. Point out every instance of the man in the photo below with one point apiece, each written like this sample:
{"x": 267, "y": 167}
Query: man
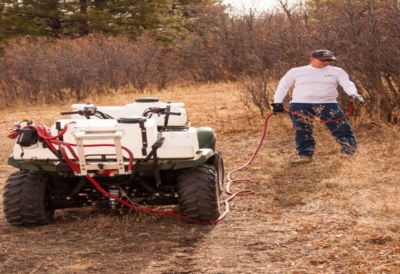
{"x": 315, "y": 94}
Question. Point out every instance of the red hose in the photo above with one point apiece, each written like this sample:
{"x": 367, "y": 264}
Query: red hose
{"x": 230, "y": 181}
{"x": 50, "y": 140}
{"x": 50, "y": 137}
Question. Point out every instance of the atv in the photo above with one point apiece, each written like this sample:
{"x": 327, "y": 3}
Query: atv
{"x": 143, "y": 153}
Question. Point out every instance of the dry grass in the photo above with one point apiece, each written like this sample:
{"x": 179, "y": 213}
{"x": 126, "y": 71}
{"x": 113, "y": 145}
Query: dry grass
{"x": 335, "y": 215}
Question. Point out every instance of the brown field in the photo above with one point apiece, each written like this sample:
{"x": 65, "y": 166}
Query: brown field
{"x": 335, "y": 215}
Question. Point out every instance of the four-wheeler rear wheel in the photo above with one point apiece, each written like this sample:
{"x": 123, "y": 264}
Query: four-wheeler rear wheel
{"x": 27, "y": 199}
{"x": 198, "y": 193}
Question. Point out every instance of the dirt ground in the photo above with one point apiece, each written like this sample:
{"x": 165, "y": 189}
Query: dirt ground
{"x": 334, "y": 215}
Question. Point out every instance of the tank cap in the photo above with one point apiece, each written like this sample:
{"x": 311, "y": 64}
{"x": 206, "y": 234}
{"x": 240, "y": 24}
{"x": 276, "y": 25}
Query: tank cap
{"x": 132, "y": 120}
{"x": 146, "y": 100}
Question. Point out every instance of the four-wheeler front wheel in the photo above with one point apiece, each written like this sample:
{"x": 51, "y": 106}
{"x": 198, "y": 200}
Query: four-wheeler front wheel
{"x": 27, "y": 200}
{"x": 198, "y": 193}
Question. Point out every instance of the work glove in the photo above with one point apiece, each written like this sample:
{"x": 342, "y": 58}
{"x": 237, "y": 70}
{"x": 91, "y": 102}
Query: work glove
{"x": 277, "y": 108}
{"x": 358, "y": 97}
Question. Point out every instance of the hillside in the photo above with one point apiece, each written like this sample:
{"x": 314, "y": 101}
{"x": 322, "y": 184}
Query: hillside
{"x": 335, "y": 215}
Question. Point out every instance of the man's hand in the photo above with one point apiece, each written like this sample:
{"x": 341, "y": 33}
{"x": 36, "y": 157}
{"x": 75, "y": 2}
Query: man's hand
{"x": 277, "y": 108}
{"x": 358, "y": 97}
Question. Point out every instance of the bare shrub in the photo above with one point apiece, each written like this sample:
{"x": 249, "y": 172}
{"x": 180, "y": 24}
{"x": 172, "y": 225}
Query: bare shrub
{"x": 147, "y": 65}
{"x": 22, "y": 69}
{"x": 260, "y": 91}
{"x": 8, "y": 86}
{"x": 76, "y": 63}
{"x": 73, "y": 68}
{"x": 365, "y": 40}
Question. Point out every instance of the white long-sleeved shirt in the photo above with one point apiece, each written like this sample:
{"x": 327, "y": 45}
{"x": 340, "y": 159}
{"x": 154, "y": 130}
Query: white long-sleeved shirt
{"x": 314, "y": 85}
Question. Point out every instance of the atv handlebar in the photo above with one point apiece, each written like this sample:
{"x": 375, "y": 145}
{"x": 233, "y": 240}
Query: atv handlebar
{"x": 71, "y": 112}
{"x": 172, "y": 113}
{"x": 150, "y": 111}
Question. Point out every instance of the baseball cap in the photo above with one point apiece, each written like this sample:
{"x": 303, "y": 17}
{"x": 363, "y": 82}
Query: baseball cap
{"x": 323, "y": 55}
